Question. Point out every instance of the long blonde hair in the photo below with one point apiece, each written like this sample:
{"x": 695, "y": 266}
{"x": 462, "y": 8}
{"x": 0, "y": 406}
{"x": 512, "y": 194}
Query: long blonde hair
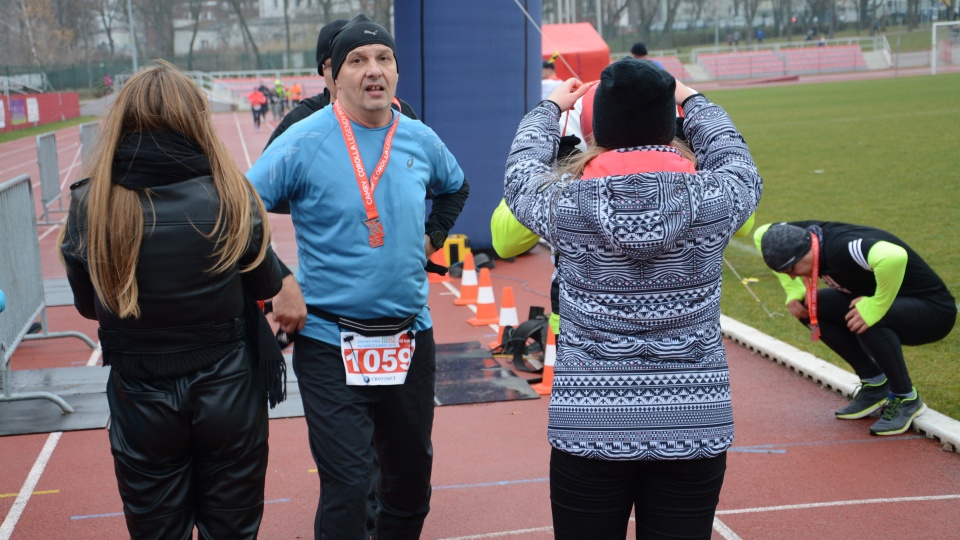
{"x": 160, "y": 98}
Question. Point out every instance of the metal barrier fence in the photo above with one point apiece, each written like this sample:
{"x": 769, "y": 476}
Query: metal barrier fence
{"x": 49, "y": 175}
{"x": 21, "y": 280}
{"x": 89, "y": 133}
{"x": 866, "y": 44}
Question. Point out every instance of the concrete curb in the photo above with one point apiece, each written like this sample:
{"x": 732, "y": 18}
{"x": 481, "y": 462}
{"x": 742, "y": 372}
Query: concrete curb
{"x": 932, "y": 424}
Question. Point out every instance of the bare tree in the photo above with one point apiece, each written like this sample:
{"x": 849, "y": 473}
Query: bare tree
{"x": 50, "y": 38}
{"x": 107, "y": 11}
{"x": 697, "y": 9}
{"x": 612, "y": 11}
{"x": 195, "y": 7}
{"x": 248, "y": 40}
{"x": 913, "y": 14}
{"x": 673, "y": 7}
{"x": 327, "y": 6}
{"x": 646, "y": 11}
{"x": 27, "y": 22}
{"x": 819, "y": 10}
{"x": 286, "y": 25}
{"x": 750, "y": 9}
{"x": 783, "y": 17}
{"x": 158, "y": 25}
{"x": 379, "y": 11}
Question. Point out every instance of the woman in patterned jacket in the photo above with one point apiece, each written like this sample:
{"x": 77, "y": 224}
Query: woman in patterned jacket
{"x": 640, "y": 414}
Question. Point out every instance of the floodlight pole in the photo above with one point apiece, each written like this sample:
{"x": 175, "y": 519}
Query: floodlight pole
{"x": 133, "y": 36}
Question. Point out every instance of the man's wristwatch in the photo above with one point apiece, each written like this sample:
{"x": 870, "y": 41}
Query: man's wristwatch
{"x": 437, "y": 238}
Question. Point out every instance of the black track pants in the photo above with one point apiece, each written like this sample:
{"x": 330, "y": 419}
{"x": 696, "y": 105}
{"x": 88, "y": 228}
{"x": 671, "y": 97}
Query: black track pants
{"x": 909, "y": 321}
{"x": 342, "y": 421}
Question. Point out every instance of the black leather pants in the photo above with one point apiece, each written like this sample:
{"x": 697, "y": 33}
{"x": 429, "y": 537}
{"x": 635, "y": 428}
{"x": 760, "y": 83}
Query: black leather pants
{"x": 191, "y": 450}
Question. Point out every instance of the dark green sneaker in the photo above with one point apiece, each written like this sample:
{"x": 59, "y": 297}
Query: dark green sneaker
{"x": 868, "y": 398}
{"x": 898, "y": 414}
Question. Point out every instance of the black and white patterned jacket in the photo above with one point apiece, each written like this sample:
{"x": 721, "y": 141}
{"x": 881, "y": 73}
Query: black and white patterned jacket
{"x": 641, "y": 372}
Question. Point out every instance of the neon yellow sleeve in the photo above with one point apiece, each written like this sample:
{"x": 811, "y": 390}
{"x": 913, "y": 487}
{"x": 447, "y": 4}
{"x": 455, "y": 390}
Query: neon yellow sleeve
{"x": 744, "y": 231}
{"x": 795, "y": 288}
{"x": 510, "y": 237}
{"x": 555, "y": 323}
{"x": 889, "y": 264}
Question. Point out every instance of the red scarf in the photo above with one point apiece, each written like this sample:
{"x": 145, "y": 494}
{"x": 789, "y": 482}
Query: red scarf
{"x": 647, "y": 159}
{"x": 811, "y": 283}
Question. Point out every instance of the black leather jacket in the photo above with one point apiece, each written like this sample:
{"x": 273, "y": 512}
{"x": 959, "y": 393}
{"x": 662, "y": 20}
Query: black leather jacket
{"x": 183, "y": 307}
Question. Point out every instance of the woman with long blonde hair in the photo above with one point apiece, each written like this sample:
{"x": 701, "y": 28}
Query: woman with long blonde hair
{"x": 166, "y": 246}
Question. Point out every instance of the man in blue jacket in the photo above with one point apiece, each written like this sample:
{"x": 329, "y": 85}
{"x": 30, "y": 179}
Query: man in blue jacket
{"x": 356, "y": 174}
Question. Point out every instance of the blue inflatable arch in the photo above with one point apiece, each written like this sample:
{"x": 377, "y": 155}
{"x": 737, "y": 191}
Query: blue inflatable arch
{"x": 471, "y": 70}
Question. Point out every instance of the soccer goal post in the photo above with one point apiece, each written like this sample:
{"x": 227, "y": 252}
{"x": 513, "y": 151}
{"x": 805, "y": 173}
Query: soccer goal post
{"x": 945, "y": 45}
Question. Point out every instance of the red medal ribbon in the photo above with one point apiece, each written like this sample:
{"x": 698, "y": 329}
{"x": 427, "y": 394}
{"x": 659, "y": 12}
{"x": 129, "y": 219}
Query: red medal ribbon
{"x": 374, "y": 226}
{"x": 812, "y": 288}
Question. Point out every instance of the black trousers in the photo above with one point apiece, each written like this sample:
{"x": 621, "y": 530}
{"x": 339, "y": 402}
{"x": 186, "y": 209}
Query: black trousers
{"x": 191, "y": 451}
{"x": 592, "y": 498}
{"x": 909, "y": 321}
{"x": 342, "y": 421}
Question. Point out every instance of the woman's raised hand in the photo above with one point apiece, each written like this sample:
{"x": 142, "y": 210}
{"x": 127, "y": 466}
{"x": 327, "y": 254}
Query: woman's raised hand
{"x": 568, "y": 93}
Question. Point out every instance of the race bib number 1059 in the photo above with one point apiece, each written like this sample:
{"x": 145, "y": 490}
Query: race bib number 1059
{"x": 370, "y": 361}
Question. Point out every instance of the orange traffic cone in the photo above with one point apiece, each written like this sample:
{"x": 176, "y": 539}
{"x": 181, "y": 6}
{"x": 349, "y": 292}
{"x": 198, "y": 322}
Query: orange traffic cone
{"x": 508, "y": 315}
{"x": 438, "y": 257}
{"x": 468, "y": 282}
{"x": 486, "y": 305}
{"x": 549, "y": 358}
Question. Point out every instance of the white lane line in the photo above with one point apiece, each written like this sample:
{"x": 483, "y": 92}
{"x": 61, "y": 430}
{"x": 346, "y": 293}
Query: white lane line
{"x": 51, "y": 229}
{"x": 94, "y": 356}
{"x": 501, "y": 534}
{"x": 718, "y": 526}
{"x": 13, "y": 516}
{"x": 243, "y": 143}
{"x": 73, "y": 163}
{"x": 471, "y": 307}
{"x": 836, "y": 503}
{"x": 725, "y": 531}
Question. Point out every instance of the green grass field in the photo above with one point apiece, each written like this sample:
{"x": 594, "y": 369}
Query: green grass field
{"x": 884, "y": 153}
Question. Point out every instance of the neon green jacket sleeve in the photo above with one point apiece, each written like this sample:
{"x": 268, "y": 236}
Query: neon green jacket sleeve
{"x": 795, "y": 288}
{"x": 510, "y": 237}
{"x": 744, "y": 231}
{"x": 889, "y": 264}
{"x": 555, "y": 323}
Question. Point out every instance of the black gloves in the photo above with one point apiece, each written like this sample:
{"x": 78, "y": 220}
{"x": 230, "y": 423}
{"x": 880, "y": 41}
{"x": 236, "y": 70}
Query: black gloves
{"x": 568, "y": 147}
{"x": 680, "y": 134}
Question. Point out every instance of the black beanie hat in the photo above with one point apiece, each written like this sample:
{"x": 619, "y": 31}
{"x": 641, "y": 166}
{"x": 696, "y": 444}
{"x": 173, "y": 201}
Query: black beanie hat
{"x": 638, "y": 49}
{"x": 358, "y": 32}
{"x": 325, "y": 41}
{"x": 783, "y": 245}
{"x": 634, "y": 105}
